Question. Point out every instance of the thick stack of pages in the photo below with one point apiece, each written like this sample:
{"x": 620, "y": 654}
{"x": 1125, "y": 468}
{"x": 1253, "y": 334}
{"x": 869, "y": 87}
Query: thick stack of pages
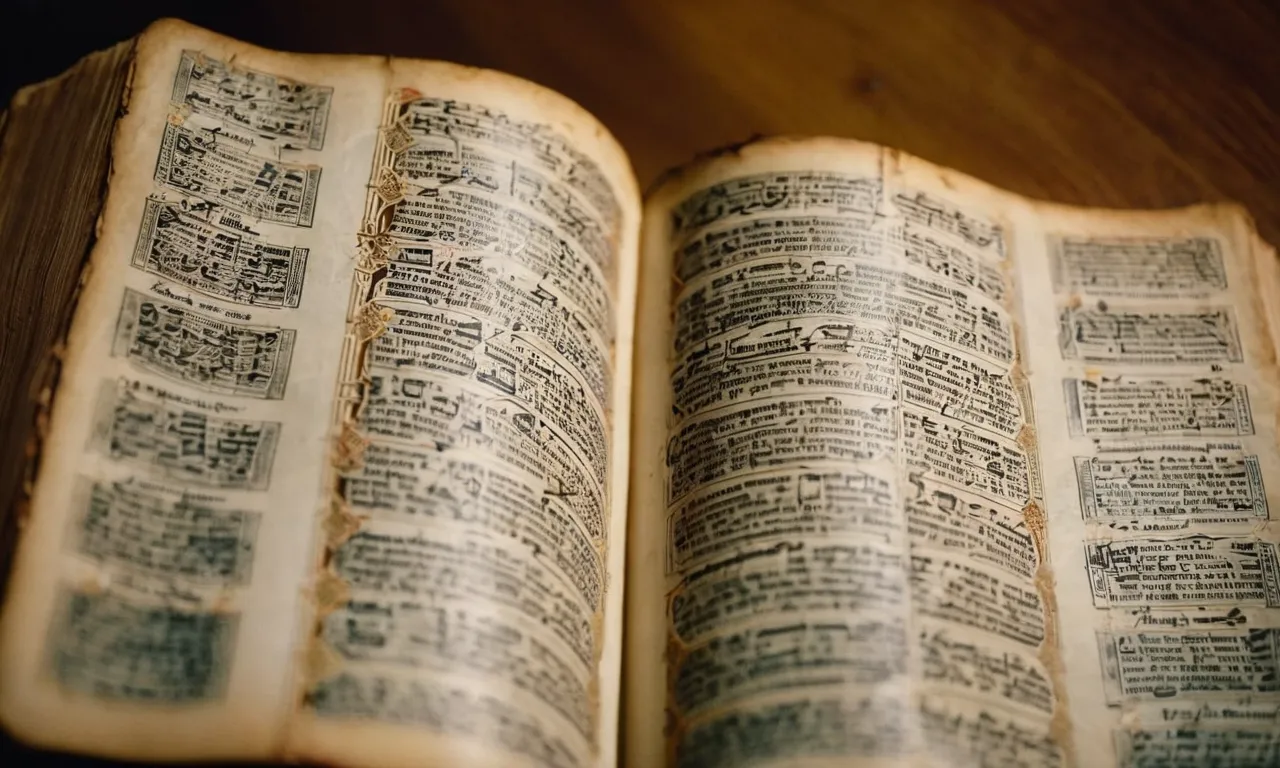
{"x": 348, "y": 458}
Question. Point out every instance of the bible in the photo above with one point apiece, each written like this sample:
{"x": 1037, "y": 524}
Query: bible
{"x": 393, "y": 426}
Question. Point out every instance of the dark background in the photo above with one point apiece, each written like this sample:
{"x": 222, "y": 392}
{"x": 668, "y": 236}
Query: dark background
{"x": 1126, "y": 104}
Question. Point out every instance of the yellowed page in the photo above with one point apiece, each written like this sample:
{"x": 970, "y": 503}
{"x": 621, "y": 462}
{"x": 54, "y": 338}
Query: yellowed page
{"x": 1155, "y": 386}
{"x": 197, "y": 580}
{"x": 155, "y": 601}
{"x": 849, "y": 526}
{"x": 471, "y": 596}
{"x": 1026, "y": 481}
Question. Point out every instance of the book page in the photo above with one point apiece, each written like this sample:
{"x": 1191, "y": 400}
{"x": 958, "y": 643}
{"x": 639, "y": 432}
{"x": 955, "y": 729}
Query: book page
{"x": 948, "y": 478}
{"x": 288, "y": 378}
{"x": 470, "y": 597}
{"x": 845, "y": 513}
{"x": 1155, "y": 385}
{"x": 157, "y": 594}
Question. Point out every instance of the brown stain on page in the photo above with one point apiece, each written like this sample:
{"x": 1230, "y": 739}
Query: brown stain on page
{"x": 1035, "y": 518}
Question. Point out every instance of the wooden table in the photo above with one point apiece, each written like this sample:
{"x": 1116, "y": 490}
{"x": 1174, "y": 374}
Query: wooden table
{"x": 1128, "y": 104}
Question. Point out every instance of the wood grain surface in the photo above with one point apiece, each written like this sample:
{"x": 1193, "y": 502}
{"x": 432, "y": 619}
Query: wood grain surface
{"x": 1123, "y": 104}
{"x": 1128, "y": 104}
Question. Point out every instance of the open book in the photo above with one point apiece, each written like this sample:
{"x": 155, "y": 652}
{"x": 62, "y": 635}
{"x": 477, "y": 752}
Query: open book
{"x": 383, "y": 382}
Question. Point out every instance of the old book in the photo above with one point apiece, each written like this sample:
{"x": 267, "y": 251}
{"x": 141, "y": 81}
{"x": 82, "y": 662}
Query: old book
{"x": 383, "y": 382}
